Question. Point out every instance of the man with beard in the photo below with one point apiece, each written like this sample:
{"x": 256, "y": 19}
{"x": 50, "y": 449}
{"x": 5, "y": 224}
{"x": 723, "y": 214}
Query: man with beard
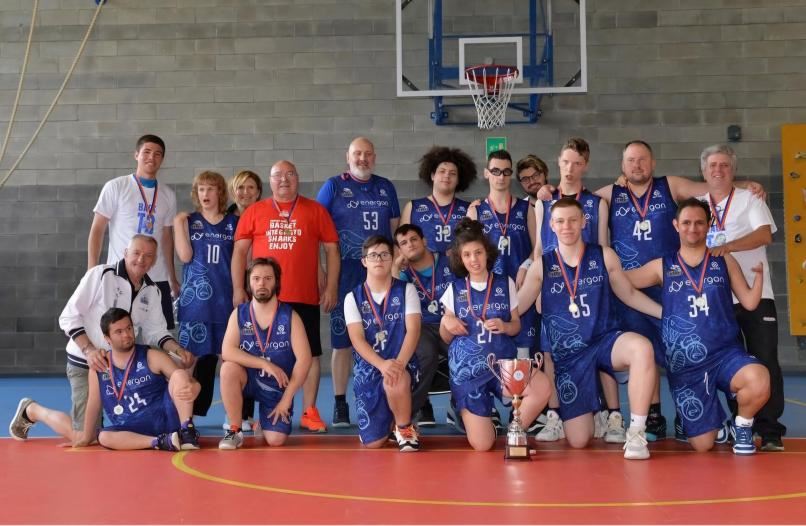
{"x": 702, "y": 349}
{"x": 361, "y": 204}
{"x": 143, "y": 409}
{"x": 532, "y": 174}
{"x": 266, "y": 357}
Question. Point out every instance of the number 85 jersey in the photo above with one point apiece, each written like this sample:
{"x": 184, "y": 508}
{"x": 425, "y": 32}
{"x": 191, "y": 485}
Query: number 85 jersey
{"x": 359, "y": 209}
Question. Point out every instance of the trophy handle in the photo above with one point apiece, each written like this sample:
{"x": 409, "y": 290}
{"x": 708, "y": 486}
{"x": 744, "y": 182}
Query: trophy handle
{"x": 491, "y": 363}
{"x": 538, "y": 363}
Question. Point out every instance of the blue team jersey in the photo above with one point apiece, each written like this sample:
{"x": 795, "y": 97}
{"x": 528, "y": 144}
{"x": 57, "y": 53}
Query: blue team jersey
{"x": 437, "y": 223}
{"x": 696, "y": 330}
{"x": 515, "y": 246}
{"x": 143, "y": 395}
{"x": 278, "y": 350}
{"x": 565, "y": 334}
{"x": 637, "y": 245}
{"x": 394, "y": 326}
{"x": 467, "y": 355}
{"x": 359, "y": 209}
{"x": 206, "y": 293}
{"x": 430, "y": 285}
{"x": 590, "y": 208}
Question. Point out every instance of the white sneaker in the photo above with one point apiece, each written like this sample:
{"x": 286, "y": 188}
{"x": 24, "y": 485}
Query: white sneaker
{"x": 246, "y": 426}
{"x": 599, "y": 424}
{"x": 615, "y": 429}
{"x": 553, "y": 430}
{"x": 233, "y": 440}
{"x": 635, "y": 445}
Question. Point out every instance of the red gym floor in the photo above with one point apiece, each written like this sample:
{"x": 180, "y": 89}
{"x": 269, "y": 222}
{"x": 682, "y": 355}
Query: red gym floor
{"x": 330, "y": 479}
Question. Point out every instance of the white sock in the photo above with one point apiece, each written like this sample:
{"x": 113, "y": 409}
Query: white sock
{"x": 638, "y": 421}
{"x": 743, "y": 422}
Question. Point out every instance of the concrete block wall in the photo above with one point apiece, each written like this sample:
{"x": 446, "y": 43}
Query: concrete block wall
{"x": 233, "y": 84}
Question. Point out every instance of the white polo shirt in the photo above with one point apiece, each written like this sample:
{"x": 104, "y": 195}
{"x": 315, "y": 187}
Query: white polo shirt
{"x": 746, "y": 214}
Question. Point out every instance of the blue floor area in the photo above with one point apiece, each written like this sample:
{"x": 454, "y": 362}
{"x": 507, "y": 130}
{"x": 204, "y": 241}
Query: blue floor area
{"x": 54, "y": 392}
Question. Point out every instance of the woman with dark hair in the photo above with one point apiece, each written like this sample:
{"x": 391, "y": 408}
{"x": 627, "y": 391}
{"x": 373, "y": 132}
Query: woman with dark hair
{"x": 446, "y": 171}
{"x": 481, "y": 317}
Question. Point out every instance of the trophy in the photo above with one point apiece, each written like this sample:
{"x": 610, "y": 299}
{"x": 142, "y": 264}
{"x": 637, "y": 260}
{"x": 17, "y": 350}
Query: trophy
{"x": 515, "y": 376}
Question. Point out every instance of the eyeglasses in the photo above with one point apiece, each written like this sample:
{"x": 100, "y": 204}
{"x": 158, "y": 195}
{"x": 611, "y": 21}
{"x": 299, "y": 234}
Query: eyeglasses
{"x": 530, "y": 178}
{"x": 378, "y": 256}
{"x": 283, "y": 175}
{"x": 506, "y": 172}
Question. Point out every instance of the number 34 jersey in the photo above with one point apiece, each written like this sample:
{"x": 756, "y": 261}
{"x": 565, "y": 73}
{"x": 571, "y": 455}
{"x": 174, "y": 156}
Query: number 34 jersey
{"x": 696, "y": 325}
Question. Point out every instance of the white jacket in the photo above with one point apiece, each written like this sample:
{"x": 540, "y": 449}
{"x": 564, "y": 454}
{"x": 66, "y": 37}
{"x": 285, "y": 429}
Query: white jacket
{"x": 102, "y": 288}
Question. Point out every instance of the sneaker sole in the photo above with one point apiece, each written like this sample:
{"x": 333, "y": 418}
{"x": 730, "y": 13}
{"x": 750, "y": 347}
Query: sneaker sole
{"x": 228, "y": 447}
{"x": 189, "y": 447}
{"x": 409, "y": 449}
{"x": 314, "y": 431}
{"x": 744, "y": 452}
{"x": 341, "y": 425}
{"x": 641, "y": 456}
{"x": 24, "y": 403}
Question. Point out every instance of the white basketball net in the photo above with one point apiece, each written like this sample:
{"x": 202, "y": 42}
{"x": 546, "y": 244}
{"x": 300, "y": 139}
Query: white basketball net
{"x": 491, "y": 88}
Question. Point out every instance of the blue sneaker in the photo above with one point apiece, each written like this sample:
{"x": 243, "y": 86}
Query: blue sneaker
{"x": 727, "y": 433}
{"x": 744, "y": 444}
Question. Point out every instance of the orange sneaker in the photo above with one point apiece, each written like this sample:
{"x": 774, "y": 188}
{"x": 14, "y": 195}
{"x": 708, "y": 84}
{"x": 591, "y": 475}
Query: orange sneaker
{"x": 311, "y": 421}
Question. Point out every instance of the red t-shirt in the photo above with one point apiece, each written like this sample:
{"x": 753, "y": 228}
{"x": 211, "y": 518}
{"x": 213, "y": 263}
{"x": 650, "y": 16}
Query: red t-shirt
{"x": 292, "y": 240}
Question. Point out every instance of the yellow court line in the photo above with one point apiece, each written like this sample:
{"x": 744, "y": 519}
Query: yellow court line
{"x": 796, "y": 402}
{"x": 178, "y": 461}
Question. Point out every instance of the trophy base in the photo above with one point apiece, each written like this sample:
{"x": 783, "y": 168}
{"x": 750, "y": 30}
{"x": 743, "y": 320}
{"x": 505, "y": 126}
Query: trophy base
{"x": 516, "y": 453}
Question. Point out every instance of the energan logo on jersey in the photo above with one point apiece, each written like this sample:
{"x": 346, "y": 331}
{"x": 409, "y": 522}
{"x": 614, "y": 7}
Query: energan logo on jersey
{"x": 622, "y": 211}
{"x": 557, "y": 288}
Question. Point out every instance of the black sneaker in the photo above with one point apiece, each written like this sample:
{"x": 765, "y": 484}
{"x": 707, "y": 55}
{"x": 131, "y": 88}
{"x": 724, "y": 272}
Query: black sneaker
{"x": 341, "y": 414}
{"x": 168, "y": 442}
{"x": 772, "y": 444}
{"x": 189, "y": 437}
{"x": 655, "y": 428}
{"x": 425, "y": 416}
{"x": 679, "y": 434}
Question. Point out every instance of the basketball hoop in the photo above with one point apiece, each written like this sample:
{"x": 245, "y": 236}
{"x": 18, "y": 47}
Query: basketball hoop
{"x": 491, "y": 87}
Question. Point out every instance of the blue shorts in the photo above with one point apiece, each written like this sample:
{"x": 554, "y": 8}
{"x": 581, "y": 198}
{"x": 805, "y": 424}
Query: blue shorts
{"x": 265, "y": 392}
{"x": 152, "y": 421}
{"x": 374, "y": 417}
{"x": 201, "y": 338}
{"x": 480, "y": 399}
{"x": 695, "y": 390}
{"x": 577, "y": 380}
{"x": 351, "y": 274}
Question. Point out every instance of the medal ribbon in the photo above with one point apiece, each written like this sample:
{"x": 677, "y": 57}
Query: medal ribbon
{"x": 433, "y": 281}
{"x": 699, "y": 285}
{"x": 290, "y": 212}
{"x": 371, "y": 301}
{"x": 261, "y": 345}
{"x": 119, "y": 395}
{"x": 644, "y": 208}
{"x": 720, "y": 220}
{"x": 442, "y": 218}
{"x": 486, "y": 297}
{"x": 506, "y": 218}
{"x": 149, "y": 209}
{"x": 572, "y": 291}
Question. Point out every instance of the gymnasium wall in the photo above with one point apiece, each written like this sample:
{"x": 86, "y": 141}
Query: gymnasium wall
{"x": 241, "y": 84}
